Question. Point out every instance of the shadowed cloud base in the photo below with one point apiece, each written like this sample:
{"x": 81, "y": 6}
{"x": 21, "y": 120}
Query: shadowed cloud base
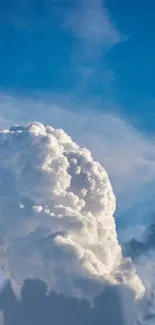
{"x": 38, "y": 306}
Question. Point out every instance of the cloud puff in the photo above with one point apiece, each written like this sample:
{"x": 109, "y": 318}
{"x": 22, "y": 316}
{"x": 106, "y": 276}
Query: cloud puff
{"x": 56, "y": 215}
{"x": 127, "y": 154}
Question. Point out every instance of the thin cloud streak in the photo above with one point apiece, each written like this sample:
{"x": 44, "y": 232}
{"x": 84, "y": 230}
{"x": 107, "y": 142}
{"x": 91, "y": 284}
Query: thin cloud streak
{"x": 90, "y": 20}
{"x": 90, "y": 23}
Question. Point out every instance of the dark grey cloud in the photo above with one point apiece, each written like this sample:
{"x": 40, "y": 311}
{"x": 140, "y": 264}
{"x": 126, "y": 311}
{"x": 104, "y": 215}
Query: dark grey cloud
{"x": 137, "y": 248}
{"x": 142, "y": 252}
{"x": 37, "y": 306}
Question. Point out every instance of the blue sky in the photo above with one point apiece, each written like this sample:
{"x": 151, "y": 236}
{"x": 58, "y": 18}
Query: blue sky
{"x": 89, "y": 58}
{"x": 87, "y": 66}
{"x": 42, "y": 49}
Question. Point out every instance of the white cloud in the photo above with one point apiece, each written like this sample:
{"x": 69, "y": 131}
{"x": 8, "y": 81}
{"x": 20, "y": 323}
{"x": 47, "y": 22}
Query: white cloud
{"x": 127, "y": 154}
{"x": 66, "y": 232}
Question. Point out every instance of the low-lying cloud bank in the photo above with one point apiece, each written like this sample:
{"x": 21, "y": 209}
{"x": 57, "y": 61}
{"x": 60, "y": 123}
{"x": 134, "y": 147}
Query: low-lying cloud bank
{"x": 56, "y": 215}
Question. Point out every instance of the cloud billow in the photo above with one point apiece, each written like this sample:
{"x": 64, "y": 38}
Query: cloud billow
{"x": 56, "y": 215}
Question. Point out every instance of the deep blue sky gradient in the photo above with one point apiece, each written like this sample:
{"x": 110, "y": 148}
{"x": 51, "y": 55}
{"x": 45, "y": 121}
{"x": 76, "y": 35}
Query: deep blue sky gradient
{"x": 36, "y": 54}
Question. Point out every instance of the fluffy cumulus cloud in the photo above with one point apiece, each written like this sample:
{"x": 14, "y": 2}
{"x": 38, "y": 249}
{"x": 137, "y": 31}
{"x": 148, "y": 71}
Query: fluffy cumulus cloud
{"x": 56, "y": 215}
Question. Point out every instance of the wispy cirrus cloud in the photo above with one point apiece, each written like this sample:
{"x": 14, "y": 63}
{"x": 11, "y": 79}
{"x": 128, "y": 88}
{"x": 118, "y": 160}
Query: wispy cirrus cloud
{"x": 84, "y": 28}
{"x": 90, "y": 23}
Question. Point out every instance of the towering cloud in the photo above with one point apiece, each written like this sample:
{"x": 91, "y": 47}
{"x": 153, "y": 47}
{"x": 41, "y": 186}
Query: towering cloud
{"x": 56, "y": 215}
